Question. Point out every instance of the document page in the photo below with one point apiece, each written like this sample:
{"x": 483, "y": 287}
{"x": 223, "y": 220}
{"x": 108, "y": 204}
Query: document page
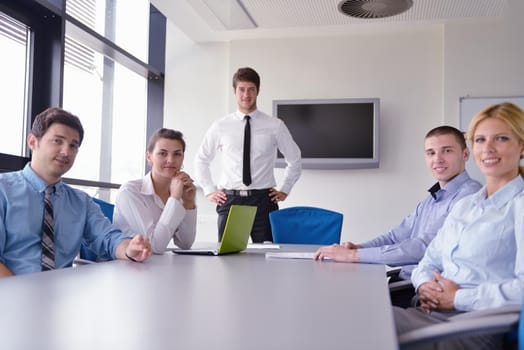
{"x": 290, "y": 255}
{"x": 263, "y": 246}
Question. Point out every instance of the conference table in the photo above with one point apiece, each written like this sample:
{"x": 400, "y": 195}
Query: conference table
{"x": 239, "y": 301}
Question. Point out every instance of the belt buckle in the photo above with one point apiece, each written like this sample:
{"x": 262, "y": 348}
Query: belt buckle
{"x": 243, "y": 193}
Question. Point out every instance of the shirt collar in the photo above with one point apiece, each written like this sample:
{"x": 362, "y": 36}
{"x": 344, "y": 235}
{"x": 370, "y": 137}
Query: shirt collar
{"x": 500, "y": 198}
{"x": 36, "y": 181}
{"x": 147, "y": 185}
{"x": 452, "y": 186}
{"x": 241, "y": 115}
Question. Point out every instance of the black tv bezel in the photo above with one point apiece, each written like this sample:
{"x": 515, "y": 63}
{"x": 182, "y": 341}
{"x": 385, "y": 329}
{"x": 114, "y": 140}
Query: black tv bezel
{"x": 337, "y": 163}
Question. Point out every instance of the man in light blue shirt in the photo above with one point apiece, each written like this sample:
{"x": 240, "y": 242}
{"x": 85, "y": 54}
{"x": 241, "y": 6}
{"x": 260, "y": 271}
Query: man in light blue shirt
{"x": 446, "y": 154}
{"x": 54, "y": 141}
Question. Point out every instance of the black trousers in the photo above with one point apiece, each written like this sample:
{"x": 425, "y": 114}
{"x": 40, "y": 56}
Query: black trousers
{"x": 261, "y": 227}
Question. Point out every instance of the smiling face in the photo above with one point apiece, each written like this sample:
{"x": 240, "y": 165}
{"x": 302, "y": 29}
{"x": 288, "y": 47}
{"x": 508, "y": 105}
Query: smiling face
{"x": 166, "y": 158}
{"x": 246, "y": 93}
{"x": 445, "y": 157}
{"x": 55, "y": 152}
{"x": 497, "y": 151}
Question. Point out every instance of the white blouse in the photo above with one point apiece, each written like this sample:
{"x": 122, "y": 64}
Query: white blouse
{"x": 138, "y": 209}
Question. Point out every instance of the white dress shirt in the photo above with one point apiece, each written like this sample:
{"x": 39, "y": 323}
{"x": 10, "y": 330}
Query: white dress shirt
{"x": 226, "y": 136}
{"x": 480, "y": 247}
{"x": 138, "y": 209}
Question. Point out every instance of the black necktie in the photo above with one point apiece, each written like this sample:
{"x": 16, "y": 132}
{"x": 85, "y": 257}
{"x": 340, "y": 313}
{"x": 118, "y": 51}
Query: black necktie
{"x": 48, "y": 245}
{"x": 246, "y": 166}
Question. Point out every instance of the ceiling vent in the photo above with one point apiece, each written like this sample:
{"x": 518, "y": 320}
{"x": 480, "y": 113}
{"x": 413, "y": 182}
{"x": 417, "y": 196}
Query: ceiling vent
{"x": 374, "y": 8}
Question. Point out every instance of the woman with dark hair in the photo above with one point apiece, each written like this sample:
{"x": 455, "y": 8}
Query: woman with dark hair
{"x": 162, "y": 203}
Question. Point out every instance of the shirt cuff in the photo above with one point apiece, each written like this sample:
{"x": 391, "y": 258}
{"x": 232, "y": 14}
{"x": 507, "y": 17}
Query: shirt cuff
{"x": 369, "y": 255}
{"x": 208, "y": 189}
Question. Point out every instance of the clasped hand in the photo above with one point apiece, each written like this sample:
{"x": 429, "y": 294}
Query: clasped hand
{"x": 437, "y": 294}
{"x": 182, "y": 187}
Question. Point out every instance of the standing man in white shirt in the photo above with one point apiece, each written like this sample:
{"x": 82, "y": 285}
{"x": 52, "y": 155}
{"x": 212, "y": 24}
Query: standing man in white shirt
{"x": 247, "y": 140}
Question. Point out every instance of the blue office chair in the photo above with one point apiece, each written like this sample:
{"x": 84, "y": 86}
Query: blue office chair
{"x": 107, "y": 209}
{"x": 306, "y": 225}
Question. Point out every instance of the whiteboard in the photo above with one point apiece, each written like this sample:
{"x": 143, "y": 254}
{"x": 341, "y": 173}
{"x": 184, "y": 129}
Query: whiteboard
{"x": 469, "y": 107}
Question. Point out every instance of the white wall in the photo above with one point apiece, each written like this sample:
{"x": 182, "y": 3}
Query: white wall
{"x": 418, "y": 75}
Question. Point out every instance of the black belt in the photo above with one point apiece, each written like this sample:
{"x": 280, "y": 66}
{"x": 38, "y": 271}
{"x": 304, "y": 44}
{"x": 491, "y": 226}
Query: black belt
{"x": 246, "y": 193}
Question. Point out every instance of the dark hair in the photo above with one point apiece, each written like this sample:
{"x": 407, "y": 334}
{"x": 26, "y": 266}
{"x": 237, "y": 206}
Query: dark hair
{"x": 246, "y": 74}
{"x": 164, "y": 133}
{"x": 45, "y": 119}
{"x": 448, "y": 130}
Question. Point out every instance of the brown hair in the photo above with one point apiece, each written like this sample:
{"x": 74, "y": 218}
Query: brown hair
{"x": 448, "y": 130}
{"x": 164, "y": 133}
{"x": 45, "y": 119}
{"x": 246, "y": 74}
{"x": 507, "y": 112}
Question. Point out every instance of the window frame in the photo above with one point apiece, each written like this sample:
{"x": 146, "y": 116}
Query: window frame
{"x": 49, "y": 22}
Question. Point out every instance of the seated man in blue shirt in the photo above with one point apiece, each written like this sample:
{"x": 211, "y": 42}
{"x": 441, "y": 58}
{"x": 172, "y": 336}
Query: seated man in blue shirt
{"x": 54, "y": 140}
{"x": 446, "y": 155}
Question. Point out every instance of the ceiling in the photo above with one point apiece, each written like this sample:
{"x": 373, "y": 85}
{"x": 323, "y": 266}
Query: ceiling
{"x": 288, "y": 18}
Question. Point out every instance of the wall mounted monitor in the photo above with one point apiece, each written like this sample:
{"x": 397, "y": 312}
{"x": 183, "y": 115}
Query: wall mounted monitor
{"x": 333, "y": 134}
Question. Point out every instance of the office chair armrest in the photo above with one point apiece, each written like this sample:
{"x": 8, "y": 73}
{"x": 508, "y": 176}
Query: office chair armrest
{"x": 502, "y": 310}
{"x": 399, "y": 285}
{"x": 494, "y": 324}
{"x": 392, "y": 270}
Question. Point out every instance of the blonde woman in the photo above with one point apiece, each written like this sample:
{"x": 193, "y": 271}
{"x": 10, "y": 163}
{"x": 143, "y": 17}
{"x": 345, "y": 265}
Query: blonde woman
{"x": 162, "y": 203}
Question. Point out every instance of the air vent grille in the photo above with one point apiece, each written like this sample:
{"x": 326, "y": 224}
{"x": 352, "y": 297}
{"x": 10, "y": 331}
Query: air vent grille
{"x": 374, "y": 8}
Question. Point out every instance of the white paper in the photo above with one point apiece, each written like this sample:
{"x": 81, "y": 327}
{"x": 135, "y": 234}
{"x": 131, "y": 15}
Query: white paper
{"x": 291, "y": 255}
{"x": 263, "y": 246}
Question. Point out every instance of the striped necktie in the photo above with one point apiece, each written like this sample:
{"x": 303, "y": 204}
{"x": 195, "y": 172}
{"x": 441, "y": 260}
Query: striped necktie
{"x": 246, "y": 165}
{"x": 48, "y": 245}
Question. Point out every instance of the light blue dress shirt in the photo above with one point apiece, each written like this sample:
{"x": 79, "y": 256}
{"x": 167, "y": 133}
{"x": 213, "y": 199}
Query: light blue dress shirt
{"x": 405, "y": 244}
{"x": 481, "y": 248}
{"x": 76, "y": 218}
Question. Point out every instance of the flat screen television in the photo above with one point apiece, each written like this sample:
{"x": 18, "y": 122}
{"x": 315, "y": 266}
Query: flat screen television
{"x": 333, "y": 134}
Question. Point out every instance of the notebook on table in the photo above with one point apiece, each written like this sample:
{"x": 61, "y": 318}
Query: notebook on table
{"x": 236, "y": 233}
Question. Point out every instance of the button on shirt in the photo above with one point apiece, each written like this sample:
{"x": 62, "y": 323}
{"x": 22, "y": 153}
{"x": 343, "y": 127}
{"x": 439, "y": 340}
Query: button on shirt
{"x": 138, "y": 209}
{"x": 225, "y": 136}
{"x": 480, "y": 247}
{"x": 405, "y": 244}
{"x": 76, "y": 218}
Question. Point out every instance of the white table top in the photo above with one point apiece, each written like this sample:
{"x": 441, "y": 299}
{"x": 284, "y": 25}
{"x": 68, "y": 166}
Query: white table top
{"x": 241, "y": 301}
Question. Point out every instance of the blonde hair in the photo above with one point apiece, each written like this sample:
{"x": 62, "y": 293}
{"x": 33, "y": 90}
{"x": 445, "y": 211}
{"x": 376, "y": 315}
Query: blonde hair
{"x": 509, "y": 113}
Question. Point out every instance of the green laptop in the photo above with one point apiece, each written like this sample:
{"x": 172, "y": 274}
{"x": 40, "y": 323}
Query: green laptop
{"x": 236, "y": 233}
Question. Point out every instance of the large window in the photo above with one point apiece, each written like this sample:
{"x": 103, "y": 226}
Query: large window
{"x": 110, "y": 100}
{"x": 14, "y": 44}
{"x": 124, "y": 22}
{"x": 99, "y": 69}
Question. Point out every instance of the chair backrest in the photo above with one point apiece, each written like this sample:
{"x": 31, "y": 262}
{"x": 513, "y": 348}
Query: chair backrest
{"x": 107, "y": 209}
{"x": 306, "y": 225}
